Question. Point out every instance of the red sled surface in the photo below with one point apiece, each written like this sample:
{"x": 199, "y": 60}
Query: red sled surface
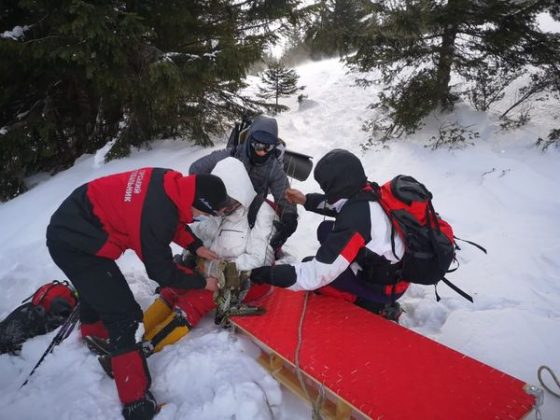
{"x": 381, "y": 369}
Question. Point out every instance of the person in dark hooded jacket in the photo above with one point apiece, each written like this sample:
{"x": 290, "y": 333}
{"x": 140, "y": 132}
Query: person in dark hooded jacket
{"x": 355, "y": 260}
{"x": 143, "y": 210}
{"x": 265, "y": 170}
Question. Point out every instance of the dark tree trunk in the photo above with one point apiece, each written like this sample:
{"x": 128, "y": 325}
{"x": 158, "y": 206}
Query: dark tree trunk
{"x": 445, "y": 61}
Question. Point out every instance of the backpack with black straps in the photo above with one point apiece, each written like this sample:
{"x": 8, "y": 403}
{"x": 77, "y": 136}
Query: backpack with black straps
{"x": 42, "y": 312}
{"x": 428, "y": 239}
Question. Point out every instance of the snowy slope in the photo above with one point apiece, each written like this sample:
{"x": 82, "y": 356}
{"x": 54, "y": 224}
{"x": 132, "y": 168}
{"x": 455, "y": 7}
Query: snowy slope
{"x": 502, "y": 193}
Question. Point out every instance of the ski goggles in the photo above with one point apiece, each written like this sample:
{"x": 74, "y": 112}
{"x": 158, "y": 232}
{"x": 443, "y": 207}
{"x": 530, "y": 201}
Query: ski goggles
{"x": 229, "y": 207}
{"x": 262, "y": 147}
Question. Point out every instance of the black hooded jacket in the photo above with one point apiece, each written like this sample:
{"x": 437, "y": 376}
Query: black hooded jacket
{"x": 361, "y": 237}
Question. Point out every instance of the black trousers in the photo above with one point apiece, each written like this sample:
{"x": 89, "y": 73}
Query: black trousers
{"x": 103, "y": 292}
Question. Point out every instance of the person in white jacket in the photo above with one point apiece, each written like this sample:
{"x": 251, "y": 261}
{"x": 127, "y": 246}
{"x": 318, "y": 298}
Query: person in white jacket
{"x": 231, "y": 237}
{"x": 175, "y": 312}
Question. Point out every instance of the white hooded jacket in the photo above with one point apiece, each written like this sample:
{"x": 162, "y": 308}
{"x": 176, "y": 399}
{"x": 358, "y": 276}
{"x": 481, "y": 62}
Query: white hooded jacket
{"x": 230, "y": 237}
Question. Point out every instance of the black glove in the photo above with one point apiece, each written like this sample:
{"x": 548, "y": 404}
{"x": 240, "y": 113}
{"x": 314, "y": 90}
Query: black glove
{"x": 284, "y": 228}
{"x": 283, "y": 275}
{"x": 261, "y": 275}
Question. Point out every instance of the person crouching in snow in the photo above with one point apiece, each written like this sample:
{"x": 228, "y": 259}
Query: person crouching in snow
{"x": 143, "y": 210}
{"x": 355, "y": 260}
{"x": 175, "y": 312}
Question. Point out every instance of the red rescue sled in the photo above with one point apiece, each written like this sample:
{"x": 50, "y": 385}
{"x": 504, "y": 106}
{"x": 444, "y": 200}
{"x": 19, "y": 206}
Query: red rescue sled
{"x": 369, "y": 367}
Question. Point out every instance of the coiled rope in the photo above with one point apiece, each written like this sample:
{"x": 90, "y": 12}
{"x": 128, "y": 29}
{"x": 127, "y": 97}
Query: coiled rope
{"x": 554, "y": 378}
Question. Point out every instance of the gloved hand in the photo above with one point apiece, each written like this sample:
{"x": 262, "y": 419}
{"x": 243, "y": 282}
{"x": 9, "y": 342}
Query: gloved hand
{"x": 186, "y": 259}
{"x": 282, "y": 275}
{"x": 284, "y": 228}
{"x": 261, "y": 275}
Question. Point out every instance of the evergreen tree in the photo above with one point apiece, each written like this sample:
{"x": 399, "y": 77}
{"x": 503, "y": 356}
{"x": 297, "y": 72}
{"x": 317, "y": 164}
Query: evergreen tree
{"x": 417, "y": 45}
{"x": 336, "y": 26}
{"x": 296, "y": 49}
{"x": 56, "y": 70}
{"x": 278, "y": 82}
{"x": 78, "y": 74}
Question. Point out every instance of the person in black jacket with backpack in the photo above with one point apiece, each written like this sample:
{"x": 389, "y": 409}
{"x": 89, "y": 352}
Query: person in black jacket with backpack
{"x": 358, "y": 257}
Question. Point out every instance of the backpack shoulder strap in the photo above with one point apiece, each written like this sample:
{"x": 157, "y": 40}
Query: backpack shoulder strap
{"x": 375, "y": 189}
{"x": 456, "y": 289}
{"x": 238, "y": 134}
{"x": 254, "y": 209}
{"x": 233, "y": 139}
{"x": 472, "y": 243}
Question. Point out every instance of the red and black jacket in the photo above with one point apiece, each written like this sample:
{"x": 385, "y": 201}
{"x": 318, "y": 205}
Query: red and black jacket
{"x": 143, "y": 210}
{"x": 361, "y": 238}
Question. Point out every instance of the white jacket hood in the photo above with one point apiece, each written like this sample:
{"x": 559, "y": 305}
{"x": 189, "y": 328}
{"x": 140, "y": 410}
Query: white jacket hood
{"x": 230, "y": 236}
{"x": 236, "y": 179}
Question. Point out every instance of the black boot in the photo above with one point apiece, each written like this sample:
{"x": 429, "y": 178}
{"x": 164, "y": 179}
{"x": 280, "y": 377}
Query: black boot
{"x": 144, "y": 409}
{"x": 392, "y": 312}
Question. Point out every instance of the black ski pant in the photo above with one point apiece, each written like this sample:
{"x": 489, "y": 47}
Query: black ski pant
{"x": 103, "y": 292}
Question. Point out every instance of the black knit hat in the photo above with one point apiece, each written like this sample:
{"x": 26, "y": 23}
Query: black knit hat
{"x": 210, "y": 194}
{"x": 340, "y": 175}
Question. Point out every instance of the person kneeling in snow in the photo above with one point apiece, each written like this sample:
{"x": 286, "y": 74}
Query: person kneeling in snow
{"x": 356, "y": 260}
{"x": 143, "y": 210}
{"x": 235, "y": 238}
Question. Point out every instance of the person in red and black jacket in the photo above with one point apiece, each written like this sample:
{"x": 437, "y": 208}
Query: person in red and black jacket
{"x": 143, "y": 210}
{"x": 358, "y": 259}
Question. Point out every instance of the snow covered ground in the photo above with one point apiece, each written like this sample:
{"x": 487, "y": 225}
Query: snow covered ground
{"x": 502, "y": 193}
